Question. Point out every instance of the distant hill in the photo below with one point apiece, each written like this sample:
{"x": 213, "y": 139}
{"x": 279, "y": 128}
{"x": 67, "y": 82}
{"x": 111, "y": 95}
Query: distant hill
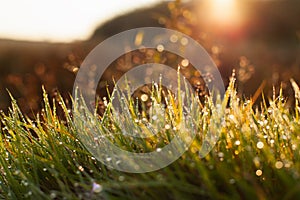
{"x": 142, "y": 17}
{"x": 269, "y": 41}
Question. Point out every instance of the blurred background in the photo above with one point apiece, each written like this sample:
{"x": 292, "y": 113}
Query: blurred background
{"x": 44, "y": 43}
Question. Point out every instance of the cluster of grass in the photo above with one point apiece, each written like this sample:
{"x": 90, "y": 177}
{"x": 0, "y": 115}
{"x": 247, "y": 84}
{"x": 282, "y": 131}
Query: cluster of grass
{"x": 256, "y": 156}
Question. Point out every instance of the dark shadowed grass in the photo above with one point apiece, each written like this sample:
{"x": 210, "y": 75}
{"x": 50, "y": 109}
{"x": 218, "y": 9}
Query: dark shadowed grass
{"x": 256, "y": 156}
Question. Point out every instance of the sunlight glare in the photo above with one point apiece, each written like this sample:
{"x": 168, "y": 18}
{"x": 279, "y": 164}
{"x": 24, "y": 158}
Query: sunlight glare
{"x": 224, "y": 11}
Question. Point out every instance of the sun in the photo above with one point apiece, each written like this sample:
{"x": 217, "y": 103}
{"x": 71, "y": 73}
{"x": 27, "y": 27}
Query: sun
{"x": 224, "y": 11}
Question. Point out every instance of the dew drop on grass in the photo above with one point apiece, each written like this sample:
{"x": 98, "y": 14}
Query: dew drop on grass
{"x": 121, "y": 178}
{"x": 231, "y": 117}
{"x": 81, "y": 168}
{"x": 278, "y": 164}
{"x": 52, "y": 195}
{"x": 287, "y": 165}
{"x": 260, "y": 145}
{"x": 167, "y": 126}
{"x": 284, "y": 137}
{"x": 17, "y": 172}
{"x": 256, "y": 161}
{"x": 118, "y": 162}
{"x": 184, "y": 41}
{"x": 96, "y": 188}
{"x": 258, "y": 172}
{"x": 154, "y": 117}
{"x": 174, "y": 38}
{"x": 185, "y": 63}
{"x": 231, "y": 181}
{"x": 25, "y": 183}
{"x": 221, "y": 154}
{"x": 160, "y": 48}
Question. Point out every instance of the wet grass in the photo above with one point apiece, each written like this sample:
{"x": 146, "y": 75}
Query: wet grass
{"x": 256, "y": 155}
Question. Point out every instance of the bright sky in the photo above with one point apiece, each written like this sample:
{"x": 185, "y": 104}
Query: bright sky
{"x": 59, "y": 20}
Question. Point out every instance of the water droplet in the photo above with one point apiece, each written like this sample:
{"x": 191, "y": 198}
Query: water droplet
{"x": 81, "y": 168}
{"x": 184, "y": 41}
{"x": 284, "y": 137}
{"x": 185, "y": 63}
{"x": 260, "y": 145}
{"x": 232, "y": 181}
{"x": 96, "y": 188}
{"x": 231, "y": 117}
{"x": 158, "y": 149}
{"x": 221, "y": 154}
{"x": 256, "y": 161}
{"x": 17, "y": 172}
{"x": 118, "y": 162}
{"x": 167, "y": 126}
{"x": 154, "y": 117}
{"x": 52, "y": 195}
{"x": 258, "y": 172}
{"x": 174, "y": 38}
{"x": 25, "y": 183}
{"x": 287, "y": 165}
{"x": 121, "y": 178}
{"x": 160, "y": 48}
{"x": 278, "y": 164}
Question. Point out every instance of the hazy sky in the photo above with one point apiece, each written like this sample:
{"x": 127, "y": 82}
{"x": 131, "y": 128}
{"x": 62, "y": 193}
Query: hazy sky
{"x": 59, "y": 20}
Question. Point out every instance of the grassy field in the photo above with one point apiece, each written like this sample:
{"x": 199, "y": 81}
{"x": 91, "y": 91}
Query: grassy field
{"x": 256, "y": 157}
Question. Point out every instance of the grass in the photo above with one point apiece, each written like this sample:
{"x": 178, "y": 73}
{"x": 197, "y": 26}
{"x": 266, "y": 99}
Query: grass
{"x": 256, "y": 156}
